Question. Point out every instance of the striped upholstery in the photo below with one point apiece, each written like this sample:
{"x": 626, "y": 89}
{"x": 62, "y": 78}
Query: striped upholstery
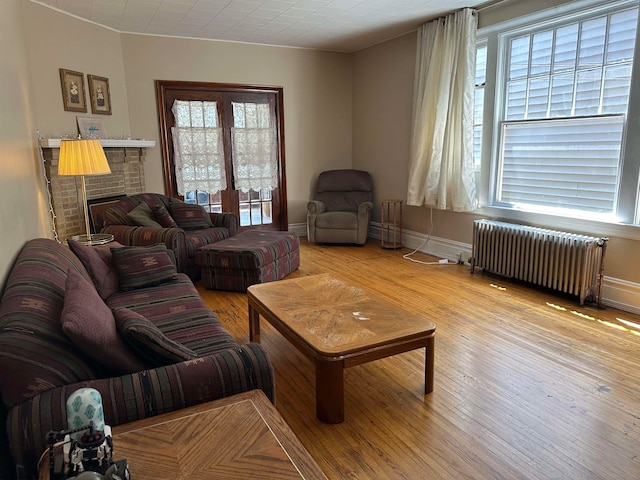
{"x": 148, "y": 341}
{"x": 40, "y": 367}
{"x": 199, "y": 238}
{"x": 253, "y": 256}
{"x": 173, "y": 239}
{"x": 35, "y": 354}
{"x": 141, "y": 395}
{"x": 140, "y": 267}
{"x": 116, "y": 221}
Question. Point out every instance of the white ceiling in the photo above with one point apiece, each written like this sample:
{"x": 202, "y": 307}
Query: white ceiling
{"x": 340, "y": 25}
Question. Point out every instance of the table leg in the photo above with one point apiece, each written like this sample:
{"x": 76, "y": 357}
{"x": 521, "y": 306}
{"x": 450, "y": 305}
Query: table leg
{"x": 429, "y": 365}
{"x": 330, "y": 391}
{"x": 254, "y": 324}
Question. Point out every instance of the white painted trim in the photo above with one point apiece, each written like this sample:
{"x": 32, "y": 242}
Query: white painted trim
{"x": 621, "y": 294}
{"x": 616, "y": 293}
{"x": 299, "y": 229}
{"x": 436, "y": 246}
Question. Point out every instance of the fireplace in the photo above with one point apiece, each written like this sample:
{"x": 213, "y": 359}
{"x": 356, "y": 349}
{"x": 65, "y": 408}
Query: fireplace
{"x": 126, "y": 178}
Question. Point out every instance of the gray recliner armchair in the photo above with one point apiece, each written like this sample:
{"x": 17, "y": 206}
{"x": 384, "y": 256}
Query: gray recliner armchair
{"x": 341, "y": 209}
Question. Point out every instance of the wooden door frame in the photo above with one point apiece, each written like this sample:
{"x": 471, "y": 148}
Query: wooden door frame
{"x": 164, "y": 86}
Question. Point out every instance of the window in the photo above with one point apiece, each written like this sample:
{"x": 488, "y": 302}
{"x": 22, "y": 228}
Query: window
{"x": 223, "y": 149}
{"x": 481, "y": 78}
{"x": 562, "y": 99}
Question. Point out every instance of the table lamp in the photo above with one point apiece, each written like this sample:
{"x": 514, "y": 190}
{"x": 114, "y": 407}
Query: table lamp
{"x": 81, "y": 158}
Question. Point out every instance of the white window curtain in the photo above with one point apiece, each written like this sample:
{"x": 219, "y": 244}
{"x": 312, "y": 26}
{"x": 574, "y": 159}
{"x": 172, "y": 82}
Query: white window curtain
{"x": 197, "y": 147}
{"x": 441, "y": 169}
{"x": 254, "y": 144}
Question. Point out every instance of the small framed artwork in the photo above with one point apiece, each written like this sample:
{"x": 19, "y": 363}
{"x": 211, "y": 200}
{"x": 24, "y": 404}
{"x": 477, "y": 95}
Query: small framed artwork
{"x": 97, "y": 207}
{"x": 73, "y": 97}
{"x": 90, "y": 127}
{"x": 99, "y": 94}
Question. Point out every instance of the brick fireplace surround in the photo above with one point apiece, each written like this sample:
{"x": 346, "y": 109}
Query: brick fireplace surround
{"x": 126, "y": 177}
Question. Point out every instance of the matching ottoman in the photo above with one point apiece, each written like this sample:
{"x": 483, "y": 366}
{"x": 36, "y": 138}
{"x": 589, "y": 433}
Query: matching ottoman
{"x": 253, "y": 256}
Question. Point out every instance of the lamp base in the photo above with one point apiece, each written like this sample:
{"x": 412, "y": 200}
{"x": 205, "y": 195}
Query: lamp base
{"x": 93, "y": 239}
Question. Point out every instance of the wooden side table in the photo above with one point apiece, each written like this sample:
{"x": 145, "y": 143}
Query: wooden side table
{"x": 391, "y": 224}
{"x": 242, "y": 437}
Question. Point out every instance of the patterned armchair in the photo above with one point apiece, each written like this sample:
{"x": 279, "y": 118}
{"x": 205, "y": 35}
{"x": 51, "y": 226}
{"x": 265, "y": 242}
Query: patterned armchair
{"x": 149, "y": 218}
{"x": 341, "y": 209}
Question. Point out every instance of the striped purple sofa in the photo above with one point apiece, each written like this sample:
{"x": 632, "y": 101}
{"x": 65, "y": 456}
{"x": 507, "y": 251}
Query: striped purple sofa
{"x": 40, "y": 365}
{"x": 184, "y": 242}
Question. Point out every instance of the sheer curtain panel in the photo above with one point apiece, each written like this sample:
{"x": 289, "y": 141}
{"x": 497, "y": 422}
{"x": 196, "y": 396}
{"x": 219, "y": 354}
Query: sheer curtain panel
{"x": 254, "y": 143}
{"x": 198, "y": 148}
{"x": 441, "y": 168}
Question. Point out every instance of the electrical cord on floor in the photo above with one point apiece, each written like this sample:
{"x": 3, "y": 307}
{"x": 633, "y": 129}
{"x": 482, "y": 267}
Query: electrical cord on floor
{"x": 442, "y": 261}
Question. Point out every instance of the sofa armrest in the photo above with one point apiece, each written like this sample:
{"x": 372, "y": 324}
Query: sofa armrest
{"x": 173, "y": 238}
{"x": 141, "y": 395}
{"x": 364, "y": 210}
{"x": 314, "y": 208}
{"x": 228, "y": 220}
{"x": 364, "y": 215}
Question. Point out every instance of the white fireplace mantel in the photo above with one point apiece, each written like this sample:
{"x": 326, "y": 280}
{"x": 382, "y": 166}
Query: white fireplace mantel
{"x": 107, "y": 142}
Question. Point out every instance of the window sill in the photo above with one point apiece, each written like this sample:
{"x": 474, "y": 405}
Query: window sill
{"x": 596, "y": 228}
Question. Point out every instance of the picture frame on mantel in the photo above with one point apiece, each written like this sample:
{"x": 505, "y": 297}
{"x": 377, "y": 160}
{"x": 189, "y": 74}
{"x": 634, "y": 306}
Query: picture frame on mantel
{"x": 90, "y": 127}
{"x": 73, "y": 96}
{"x": 99, "y": 94}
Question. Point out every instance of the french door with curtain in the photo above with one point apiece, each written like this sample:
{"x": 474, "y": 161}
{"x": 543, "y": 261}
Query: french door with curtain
{"x": 223, "y": 148}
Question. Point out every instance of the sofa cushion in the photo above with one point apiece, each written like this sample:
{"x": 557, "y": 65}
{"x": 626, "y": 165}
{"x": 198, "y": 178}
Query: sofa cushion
{"x": 97, "y": 261}
{"x": 143, "y": 215}
{"x": 140, "y": 267}
{"x": 190, "y": 216}
{"x": 148, "y": 341}
{"x": 35, "y": 354}
{"x": 163, "y": 217}
{"x": 90, "y": 325}
{"x": 206, "y": 236}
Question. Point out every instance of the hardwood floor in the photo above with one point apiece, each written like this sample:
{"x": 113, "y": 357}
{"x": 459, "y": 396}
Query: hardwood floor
{"x": 528, "y": 385}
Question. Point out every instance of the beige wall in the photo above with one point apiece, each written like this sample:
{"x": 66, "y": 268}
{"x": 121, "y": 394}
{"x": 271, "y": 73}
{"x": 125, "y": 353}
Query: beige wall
{"x": 317, "y": 99}
{"x": 57, "y": 41}
{"x": 383, "y": 91}
{"x": 23, "y": 213}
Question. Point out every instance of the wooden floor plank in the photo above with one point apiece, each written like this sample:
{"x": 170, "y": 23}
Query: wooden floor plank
{"x": 528, "y": 385}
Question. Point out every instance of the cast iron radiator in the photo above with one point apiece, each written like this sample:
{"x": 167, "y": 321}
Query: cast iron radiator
{"x": 562, "y": 261}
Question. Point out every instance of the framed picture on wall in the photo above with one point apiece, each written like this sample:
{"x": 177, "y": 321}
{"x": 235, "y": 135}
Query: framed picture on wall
{"x": 97, "y": 207}
{"x": 72, "y": 84}
{"x": 90, "y": 127}
{"x": 99, "y": 94}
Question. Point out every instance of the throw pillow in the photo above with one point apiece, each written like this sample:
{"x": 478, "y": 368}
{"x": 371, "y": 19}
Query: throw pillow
{"x": 140, "y": 267}
{"x": 143, "y": 215}
{"x": 163, "y": 217}
{"x": 148, "y": 341}
{"x": 104, "y": 277}
{"x": 90, "y": 325}
{"x": 190, "y": 216}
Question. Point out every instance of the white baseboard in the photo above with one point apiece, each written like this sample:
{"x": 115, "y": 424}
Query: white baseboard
{"x": 621, "y": 294}
{"x": 616, "y": 293}
{"x": 436, "y": 246}
{"x": 299, "y": 229}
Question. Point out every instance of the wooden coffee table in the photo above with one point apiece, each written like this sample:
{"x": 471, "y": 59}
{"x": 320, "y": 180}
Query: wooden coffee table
{"x": 235, "y": 438}
{"x": 338, "y": 325}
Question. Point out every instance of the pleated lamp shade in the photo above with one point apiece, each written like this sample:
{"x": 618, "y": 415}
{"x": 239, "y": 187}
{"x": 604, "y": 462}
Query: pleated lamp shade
{"x": 82, "y": 157}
